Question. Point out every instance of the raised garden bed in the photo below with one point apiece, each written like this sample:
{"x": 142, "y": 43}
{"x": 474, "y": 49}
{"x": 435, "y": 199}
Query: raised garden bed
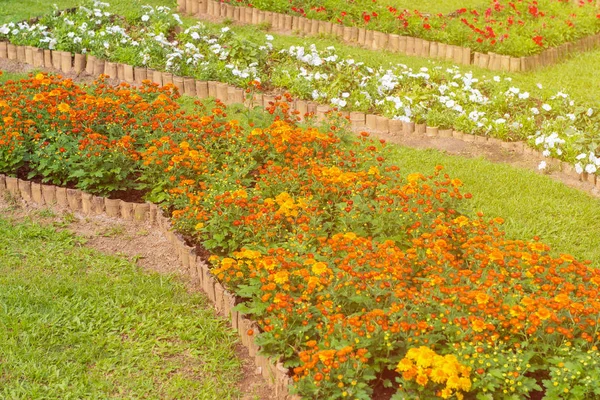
{"x": 351, "y": 270}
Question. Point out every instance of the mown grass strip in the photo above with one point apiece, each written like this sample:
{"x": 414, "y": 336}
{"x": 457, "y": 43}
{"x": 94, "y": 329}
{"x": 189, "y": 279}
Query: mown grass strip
{"x": 75, "y": 323}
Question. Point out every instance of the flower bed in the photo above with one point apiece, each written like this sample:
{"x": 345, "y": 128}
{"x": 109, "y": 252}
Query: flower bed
{"x": 352, "y": 269}
{"x": 445, "y": 98}
{"x": 518, "y": 28}
{"x": 377, "y": 40}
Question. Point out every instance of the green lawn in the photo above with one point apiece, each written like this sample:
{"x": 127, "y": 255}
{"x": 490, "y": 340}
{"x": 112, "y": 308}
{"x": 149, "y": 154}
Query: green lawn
{"x": 12, "y": 10}
{"x": 78, "y": 324}
{"x": 531, "y": 204}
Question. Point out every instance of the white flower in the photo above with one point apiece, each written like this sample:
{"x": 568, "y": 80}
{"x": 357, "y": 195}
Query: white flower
{"x": 524, "y": 95}
{"x": 581, "y": 156}
{"x": 345, "y": 95}
{"x": 546, "y": 107}
{"x": 535, "y": 111}
{"x": 269, "y": 37}
{"x": 225, "y": 29}
{"x": 589, "y": 112}
{"x": 539, "y": 85}
{"x": 542, "y": 165}
{"x": 578, "y": 168}
{"x": 145, "y": 17}
{"x": 590, "y": 168}
{"x": 496, "y": 78}
{"x": 546, "y": 153}
{"x": 338, "y": 102}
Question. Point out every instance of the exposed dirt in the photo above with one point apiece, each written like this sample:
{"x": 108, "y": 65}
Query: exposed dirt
{"x": 141, "y": 244}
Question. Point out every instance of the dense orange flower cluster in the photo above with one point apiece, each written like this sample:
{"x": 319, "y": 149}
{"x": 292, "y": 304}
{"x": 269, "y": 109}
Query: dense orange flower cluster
{"x": 352, "y": 268}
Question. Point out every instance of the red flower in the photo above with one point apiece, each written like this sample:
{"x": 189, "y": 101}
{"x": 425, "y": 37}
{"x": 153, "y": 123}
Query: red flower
{"x": 427, "y": 26}
{"x": 538, "y": 40}
{"x": 366, "y": 17}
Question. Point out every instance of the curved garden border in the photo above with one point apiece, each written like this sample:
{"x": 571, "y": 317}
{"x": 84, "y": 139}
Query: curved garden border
{"x": 376, "y": 40}
{"x": 78, "y": 63}
{"x": 191, "y": 265}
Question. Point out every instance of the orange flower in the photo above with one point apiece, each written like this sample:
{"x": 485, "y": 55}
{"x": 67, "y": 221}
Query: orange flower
{"x": 478, "y": 325}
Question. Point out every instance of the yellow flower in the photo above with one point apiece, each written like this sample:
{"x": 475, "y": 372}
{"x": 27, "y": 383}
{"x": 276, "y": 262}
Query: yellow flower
{"x": 422, "y": 379}
{"x": 438, "y": 375}
{"x": 250, "y": 254}
{"x": 281, "y": 277}
{"x": 404, "y": 365}
{"x": 478, "y": 325}
{"x": 64, "y": 107}
{"x": 268, "y": 263}
{"x": 482, "y": 298}
{"x": 319, "y": 268}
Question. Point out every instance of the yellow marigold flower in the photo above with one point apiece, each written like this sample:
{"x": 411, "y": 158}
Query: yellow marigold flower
{"x": 453, "y": 382}
{"x": 456, "y": 182}
{"x": 319, "y": 268}
{"x": 414, "y": 177}
{"x": 478, "y": 325}
{"x": 373, "y": 171}
{"x": 438, "y": 375}
{"x": 464, "y": 384}
{"x": 326, "y": 356}
{"x": 64, "y": 107}
{"x": 543, "y": 313}
{"x": 39, "y": 77}
{"x": 281, "y": 277}
{"x": 268, "y": 263}
{"x": 422, "y": 379}
{"x": 350, "y": 235}
{"x": 482, "y": 298}
{"x": 404, "y": 365}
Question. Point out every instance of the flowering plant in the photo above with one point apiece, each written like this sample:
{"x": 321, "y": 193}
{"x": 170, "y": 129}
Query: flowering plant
{"x": 516, "y": 28}
{"x": 353, "y": 269}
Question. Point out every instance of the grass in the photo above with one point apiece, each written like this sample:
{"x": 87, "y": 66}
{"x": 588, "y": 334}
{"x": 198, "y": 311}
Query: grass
{"x": 11, "y": 10}
{"x": 76, "y": 324}
{"x": 531, "y": 204}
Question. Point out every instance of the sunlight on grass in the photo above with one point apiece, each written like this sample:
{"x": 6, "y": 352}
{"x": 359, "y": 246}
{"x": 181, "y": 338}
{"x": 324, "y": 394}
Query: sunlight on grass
{"x": 78, "y": 324}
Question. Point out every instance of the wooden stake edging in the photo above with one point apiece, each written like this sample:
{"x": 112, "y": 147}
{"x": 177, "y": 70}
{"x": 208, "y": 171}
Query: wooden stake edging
{"x": 193, "y": 267}
{"x": 230, "y": 94}
{"x": 377, "y": 40}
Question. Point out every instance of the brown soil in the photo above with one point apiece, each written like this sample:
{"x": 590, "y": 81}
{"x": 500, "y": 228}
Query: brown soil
{"x": 144, "y": 246}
